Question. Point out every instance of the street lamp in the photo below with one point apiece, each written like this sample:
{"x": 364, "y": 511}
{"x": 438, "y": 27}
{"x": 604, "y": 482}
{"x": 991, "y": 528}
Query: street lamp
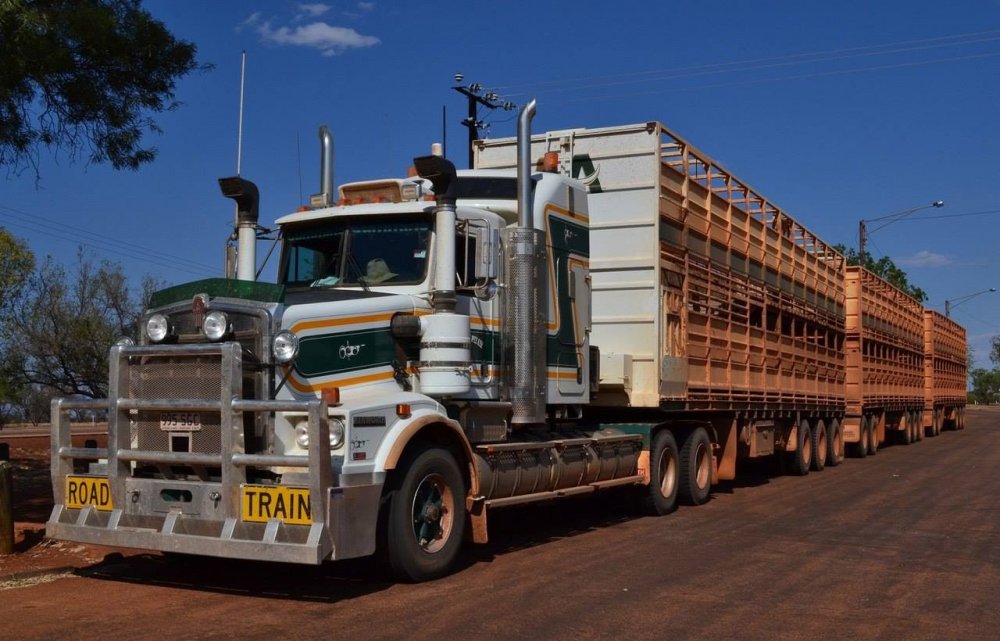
{"x": 891, "y": 218}
{"x": 954, "y": 302}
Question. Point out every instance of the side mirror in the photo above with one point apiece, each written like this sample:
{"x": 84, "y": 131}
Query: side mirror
{"x": 485, "y": 289}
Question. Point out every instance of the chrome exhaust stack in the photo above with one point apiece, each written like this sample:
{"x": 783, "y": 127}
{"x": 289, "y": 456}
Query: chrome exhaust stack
{"x": 524, "y": 303}
{"x": 325, "y": 197}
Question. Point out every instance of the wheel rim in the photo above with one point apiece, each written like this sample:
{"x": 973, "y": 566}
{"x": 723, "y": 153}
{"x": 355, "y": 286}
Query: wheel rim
{"x": 704, "y": 469}
{"x": 806, "y": 441}
{"x": 821, "y": 447}
{"x": 667, "y": 466}
{"x": 433, "y": 512}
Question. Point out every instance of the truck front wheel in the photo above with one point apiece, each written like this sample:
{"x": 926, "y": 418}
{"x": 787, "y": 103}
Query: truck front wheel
{"x": 426, "y": 516}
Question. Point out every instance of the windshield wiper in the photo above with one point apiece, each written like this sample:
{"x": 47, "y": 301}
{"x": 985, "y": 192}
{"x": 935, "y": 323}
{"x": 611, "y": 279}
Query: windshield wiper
{"x": 353, "y": 264}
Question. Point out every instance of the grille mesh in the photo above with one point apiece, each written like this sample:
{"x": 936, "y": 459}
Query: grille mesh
{"x": 182, "y": 378}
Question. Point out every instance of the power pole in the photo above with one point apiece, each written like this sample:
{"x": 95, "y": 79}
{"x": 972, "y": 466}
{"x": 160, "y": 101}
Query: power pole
{"x": 475, "y": 96}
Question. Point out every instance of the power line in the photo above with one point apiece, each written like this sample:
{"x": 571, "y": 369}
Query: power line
{"x": 962, "y": 215}
{"x": 99, "y": 241}
{"x": 839, "y": 72}
{"x": 905, "y": 46}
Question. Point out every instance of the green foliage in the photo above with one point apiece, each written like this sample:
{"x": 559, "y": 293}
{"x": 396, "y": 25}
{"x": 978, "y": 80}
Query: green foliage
{"x": 16, "y": 263}
{"x": 885, "y": 269}
{"x": 995, "y": 350}
{"x": 56, "y": 336}
{"x": 985, "y": 386}
{"x": 85, "y": 73}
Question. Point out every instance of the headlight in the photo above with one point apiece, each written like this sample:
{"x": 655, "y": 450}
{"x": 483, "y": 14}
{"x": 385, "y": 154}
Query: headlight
{"x": 157, "y": 327}
{"x": 285, "y": 347}
{"x": 215, "y": 325}
{"x": 124, "y": 341}
{"x": 336, "y": 434}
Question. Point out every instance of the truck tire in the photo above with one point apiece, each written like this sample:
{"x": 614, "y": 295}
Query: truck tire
{"x": 860, "y": 449}
{"x": 801, "y": 459}
{"x": 660, "y": 496}
{"x": 904, "y": 436}
{"x": 872, "y": 436}
{"x": 937, "y": 418}
{"x": 820, "y": 445}
{"x": 960, "y": 421}
{"x": 918, "y": 425}
{"x": 696, "y": 468}
{"x": 426, "y": 516}
{"x": 835, "y": 440}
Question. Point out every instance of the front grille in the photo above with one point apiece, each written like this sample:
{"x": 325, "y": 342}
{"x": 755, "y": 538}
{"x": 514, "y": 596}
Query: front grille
{"x": 175, "y": 379}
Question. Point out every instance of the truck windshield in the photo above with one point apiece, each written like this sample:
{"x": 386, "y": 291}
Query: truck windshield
{"x": 356, "y": 252}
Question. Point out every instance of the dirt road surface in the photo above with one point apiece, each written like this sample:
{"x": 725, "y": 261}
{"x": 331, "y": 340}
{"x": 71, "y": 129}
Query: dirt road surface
{"x": 904, "y": 545}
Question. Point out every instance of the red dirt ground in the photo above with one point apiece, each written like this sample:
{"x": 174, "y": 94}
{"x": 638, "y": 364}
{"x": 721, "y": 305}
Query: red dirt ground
{"x": 32, "y": 502}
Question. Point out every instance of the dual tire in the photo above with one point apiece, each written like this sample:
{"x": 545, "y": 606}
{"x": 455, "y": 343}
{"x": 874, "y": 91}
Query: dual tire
{"x": 681, "y": 474}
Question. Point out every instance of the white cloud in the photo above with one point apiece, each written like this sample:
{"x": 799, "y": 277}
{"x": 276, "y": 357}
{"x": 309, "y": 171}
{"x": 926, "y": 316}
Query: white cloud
{"x": 366, "y": 6}
{"x": 313, "y": 10}
{"x": 328, "y": 39}
{"x": 924, "y": 258}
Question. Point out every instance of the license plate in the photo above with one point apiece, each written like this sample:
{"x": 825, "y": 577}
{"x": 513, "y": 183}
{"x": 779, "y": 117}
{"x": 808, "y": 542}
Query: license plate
{"x": 82, "y": 491}
{"x": 262, "y": 503}
{"x": 180, "y": 422}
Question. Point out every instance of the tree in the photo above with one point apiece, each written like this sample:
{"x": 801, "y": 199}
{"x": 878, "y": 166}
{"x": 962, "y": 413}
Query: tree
{"x": 995, "y": 350}
{"x": 85, "y": 74}
{"x": 985, "y": 386}
{"x": 16, "y": 263}
{"x": 56, "y": 336}
{"x": 885, "y": 269}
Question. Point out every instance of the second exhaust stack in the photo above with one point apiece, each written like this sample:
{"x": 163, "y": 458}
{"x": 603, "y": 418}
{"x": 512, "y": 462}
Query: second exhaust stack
{"x": 524, "y": 304}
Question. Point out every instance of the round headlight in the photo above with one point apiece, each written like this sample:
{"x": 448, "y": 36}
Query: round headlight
{"x": 302, "y": 435}
{"x": 156, "y": 327}
{"x": 124, "y": 341}
{"x": 215, "y": 325}
{"x": 336, "y": 434}
{"x": 285, "y": 347}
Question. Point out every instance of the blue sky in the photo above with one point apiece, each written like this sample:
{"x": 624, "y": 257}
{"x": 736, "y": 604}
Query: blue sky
{"x": 836, "y": 111}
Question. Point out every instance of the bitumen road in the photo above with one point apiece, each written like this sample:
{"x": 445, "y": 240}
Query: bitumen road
{"x": 902, "y": 545}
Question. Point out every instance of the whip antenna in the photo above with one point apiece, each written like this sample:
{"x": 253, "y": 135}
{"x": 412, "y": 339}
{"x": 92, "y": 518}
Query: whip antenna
{"x": 239, "y": 136}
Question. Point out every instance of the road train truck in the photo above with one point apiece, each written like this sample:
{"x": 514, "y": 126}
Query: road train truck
{"x": 585, "y": 310}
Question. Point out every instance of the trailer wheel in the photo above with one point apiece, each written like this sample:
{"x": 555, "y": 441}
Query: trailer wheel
{"x": 960, "y": 419}
{"x": 937, "y": 418}
{"x": 696, "y": 468}
{"x": 835, "y": 439}
{"x": 872, "y": 436}
{"x": 904, "y": 436}
{"x": 801, "y": 459}
{"x": 860, "y": 449}
{"x": 918, "y": 425}
{"x": 426, "y": 517}
{"x": 820, "y": 446}
{"x": 660, "y": 497}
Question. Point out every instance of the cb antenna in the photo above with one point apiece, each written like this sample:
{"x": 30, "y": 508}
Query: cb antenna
{"x": 239, "y": 136}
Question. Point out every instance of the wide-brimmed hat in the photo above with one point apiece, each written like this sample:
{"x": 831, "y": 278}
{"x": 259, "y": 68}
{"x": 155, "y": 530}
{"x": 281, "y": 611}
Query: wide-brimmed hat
{"x": 377, "y": 271}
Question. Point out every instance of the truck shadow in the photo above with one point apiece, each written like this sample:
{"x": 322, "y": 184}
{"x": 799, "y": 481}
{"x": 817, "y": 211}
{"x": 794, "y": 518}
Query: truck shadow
{"x": 511, "y": 529}
{"x": 327, "y": 583}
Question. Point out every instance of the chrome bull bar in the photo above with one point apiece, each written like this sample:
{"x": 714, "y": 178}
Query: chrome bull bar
{"x": 210, "y": 523}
